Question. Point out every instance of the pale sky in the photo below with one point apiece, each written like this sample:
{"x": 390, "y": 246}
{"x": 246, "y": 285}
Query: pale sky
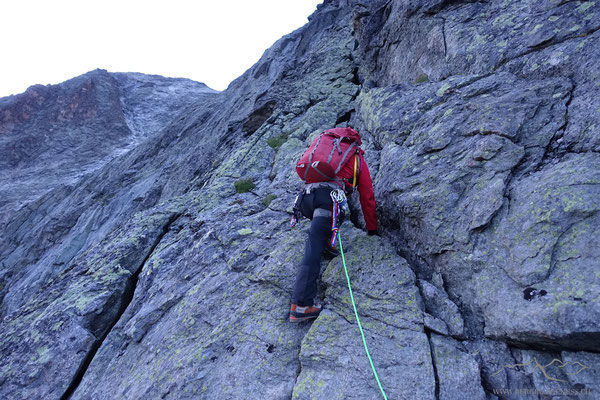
{"x": 50, "y": 41}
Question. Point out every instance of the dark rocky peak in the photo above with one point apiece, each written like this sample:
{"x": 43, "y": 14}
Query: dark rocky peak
{"x": 43, "y": 118}
{"x": 75, "y": 101}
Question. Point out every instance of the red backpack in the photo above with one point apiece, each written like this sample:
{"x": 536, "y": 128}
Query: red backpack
{"x": 327, "y": 154}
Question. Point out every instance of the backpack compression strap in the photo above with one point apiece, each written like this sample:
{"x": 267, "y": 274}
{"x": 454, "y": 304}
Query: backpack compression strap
{"x": 353, "y": 146}
{"x": 310, "y": 157}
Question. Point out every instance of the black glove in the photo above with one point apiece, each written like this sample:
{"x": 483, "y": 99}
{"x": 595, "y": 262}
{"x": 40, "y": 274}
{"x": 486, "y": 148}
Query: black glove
{"x": 373, "y": 232}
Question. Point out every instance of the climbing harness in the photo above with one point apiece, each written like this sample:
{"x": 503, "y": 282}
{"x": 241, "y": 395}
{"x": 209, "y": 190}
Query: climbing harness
{"x": 340, "y": 204}
{"x": 297, "y": 207}
{"x": 362, "y": 334}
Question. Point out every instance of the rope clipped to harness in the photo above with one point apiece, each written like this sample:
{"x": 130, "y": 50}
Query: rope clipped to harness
{"x": 340, "y": 204}
{"x": 335, "y": 229}
{"x": 362, "y": 334}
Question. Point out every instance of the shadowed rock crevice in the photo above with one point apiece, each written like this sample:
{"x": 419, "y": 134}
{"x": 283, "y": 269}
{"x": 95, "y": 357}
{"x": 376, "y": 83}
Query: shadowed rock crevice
{"x": 435, "y": 373}
{"x": 258, "y": 117}
{"x": 554, "y": 150}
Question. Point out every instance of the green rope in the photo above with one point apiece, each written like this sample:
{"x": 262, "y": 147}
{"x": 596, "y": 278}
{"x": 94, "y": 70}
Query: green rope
{"x": 358, "y": 320}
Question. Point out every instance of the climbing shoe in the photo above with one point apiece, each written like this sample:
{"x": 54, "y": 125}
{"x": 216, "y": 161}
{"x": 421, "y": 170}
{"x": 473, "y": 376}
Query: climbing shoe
{"x": 330, "y": 252}
{"x": 298, "y": 314}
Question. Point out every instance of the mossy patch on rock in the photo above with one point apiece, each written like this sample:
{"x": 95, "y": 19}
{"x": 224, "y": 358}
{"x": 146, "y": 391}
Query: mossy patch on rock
{"x": 277, "y": 141}
{"x": 268, "y": 199}
{"x": 244, "y": 185}
{"x": 422, "y": 78}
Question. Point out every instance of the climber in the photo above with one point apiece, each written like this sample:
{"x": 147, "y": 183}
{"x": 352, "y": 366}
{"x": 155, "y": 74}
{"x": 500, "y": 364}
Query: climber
{"x": 333, "y": 161}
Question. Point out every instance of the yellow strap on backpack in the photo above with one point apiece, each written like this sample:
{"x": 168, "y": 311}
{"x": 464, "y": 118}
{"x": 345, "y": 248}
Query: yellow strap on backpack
{"x": 355, "y": 170}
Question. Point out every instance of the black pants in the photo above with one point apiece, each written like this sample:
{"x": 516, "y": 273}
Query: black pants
{"x": 305, "y": 288}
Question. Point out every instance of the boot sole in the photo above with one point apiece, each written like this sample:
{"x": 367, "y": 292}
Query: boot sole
{"x": 300, "y": 319}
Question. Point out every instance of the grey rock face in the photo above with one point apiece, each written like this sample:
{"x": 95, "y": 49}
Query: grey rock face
{"x": 76, "y": 212}
{"x": 459, "y": 156}
{"x": 142, "y": 268}
{"x": 197, "y": 315}
{"x": 457, "y": 370}
{"x": 439, "y": 305}
{"x": 556, "y": 217}
{"x": 68, "y": 320}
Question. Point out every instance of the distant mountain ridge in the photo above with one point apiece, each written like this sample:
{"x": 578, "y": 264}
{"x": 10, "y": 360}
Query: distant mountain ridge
{"x": 52, "y": 135}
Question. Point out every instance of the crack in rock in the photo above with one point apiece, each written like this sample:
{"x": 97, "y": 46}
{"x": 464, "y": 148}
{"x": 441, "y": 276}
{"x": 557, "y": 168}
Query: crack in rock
{"x": 126, "y": 298}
